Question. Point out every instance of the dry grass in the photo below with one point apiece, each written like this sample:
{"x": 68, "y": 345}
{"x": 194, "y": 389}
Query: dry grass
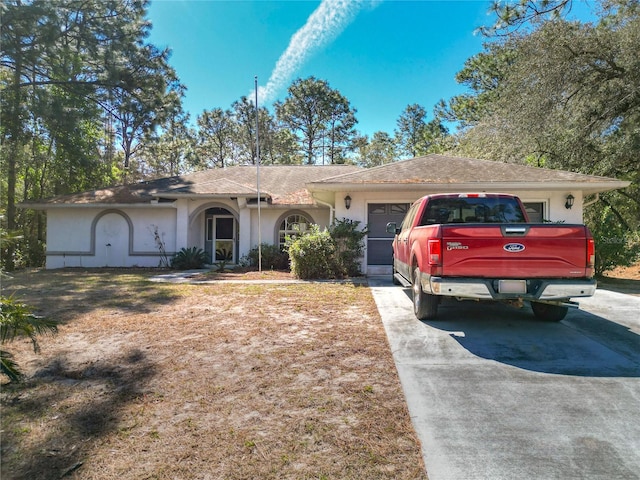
{"x": 207, "y": 381}
{"x": 240, "y": 274}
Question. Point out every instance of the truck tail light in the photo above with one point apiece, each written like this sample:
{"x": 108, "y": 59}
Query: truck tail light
{"x": 434, "y": 247}
{"x": 591, "y": 253}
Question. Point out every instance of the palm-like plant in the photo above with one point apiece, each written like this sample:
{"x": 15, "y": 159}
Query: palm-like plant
{"x": 18, "y": 320}
{"x": 188, "y": 258}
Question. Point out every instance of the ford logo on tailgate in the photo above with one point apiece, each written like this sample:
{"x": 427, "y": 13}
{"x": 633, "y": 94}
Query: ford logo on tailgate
{"x": 514, "y": 247}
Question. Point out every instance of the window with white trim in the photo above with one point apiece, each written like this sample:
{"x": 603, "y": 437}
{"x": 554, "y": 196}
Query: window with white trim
{"x": 291, "y": 226}
{"x": 535, "y": 211}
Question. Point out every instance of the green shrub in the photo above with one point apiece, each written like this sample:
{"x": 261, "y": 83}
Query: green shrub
{"x": 189, "y": 258}
{"x": 615, "y": 246}
{"x": 312, "y": 254}
{"x": 272, "y": 258}
{"x": 349, "y": 241}
{"x": 332, "y": 253}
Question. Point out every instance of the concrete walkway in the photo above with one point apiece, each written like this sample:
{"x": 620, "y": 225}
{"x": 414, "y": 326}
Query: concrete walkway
{"x": 195, "y": 276}
{"x": 495, "y": 394}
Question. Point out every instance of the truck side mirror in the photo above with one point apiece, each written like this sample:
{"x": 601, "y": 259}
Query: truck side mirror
{"x": 392, "y": 228}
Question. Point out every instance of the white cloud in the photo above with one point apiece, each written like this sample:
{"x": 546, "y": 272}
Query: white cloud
{"x": 323, "y": 26}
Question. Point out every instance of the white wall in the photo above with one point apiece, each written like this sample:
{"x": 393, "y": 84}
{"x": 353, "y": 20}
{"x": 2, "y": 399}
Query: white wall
{"x": 247, "y": 218}
{"x": 271, "y": 219}
{"x": 146, "y": 220}
{"x": 67, "y": 232}
{"x": 91, "y": 237}
{"x": 96, "y": 237}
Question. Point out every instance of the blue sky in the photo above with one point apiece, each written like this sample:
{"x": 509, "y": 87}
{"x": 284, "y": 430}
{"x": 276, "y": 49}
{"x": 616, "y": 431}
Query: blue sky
{"x": 381, "y": 55}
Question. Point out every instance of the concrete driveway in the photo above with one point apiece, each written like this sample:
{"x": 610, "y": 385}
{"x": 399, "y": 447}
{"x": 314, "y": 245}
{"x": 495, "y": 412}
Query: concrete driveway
{"x": 496, "y": 394}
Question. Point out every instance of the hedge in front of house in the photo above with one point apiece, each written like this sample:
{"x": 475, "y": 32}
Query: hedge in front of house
{"x": 273, "y": 258}
{"x": 331, "y": 253}
{"x": 312, "y": 254}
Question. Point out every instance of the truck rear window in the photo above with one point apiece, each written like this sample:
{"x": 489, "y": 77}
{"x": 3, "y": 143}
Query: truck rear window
{"x": 472, "y": 210}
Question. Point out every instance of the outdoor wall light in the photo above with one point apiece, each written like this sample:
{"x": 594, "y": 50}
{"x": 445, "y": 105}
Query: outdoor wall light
{"x": 569, "y": 203}
{"x": 347, "y": 202}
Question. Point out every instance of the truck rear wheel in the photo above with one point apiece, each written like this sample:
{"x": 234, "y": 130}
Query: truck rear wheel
{"x": 548, "y": 312}
{"x": 425, "y": 305}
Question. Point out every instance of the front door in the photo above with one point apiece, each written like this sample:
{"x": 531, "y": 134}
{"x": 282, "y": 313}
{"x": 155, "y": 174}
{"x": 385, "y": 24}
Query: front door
{"x": 224, "y": 236}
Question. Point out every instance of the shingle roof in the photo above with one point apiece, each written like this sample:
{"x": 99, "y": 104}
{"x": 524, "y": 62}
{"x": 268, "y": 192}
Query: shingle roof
{"x": 441, "y": 169}
{"x": 293, "y": 184}
{"x": 283, "y": 184}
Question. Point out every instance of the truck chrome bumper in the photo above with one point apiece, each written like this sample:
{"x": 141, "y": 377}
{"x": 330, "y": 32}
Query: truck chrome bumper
{"x": 555, "y": 291}
{"x": 470, "y": 288}
{"x": 485, "y": 289}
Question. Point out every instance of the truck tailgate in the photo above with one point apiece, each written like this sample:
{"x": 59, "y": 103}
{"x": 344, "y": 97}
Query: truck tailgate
{"x": 514, "y": 250}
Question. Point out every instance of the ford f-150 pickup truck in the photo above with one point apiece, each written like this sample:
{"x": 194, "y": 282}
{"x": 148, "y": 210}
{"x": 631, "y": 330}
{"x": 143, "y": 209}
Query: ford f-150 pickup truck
{"x": 481, "y": 247}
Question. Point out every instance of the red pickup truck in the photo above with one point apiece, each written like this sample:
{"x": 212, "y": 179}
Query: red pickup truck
{"x": 481, "y": 247}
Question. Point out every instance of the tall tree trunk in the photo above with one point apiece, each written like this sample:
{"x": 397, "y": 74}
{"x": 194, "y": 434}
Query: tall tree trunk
{"x": 14, "y": 150}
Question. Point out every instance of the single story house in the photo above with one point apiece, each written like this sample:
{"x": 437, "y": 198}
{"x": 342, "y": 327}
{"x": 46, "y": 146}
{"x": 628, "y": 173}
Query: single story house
{"x": 229, "y": 211}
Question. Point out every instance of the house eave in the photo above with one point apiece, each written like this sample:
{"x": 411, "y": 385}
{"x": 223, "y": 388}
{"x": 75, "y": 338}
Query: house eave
{"x": 51, "y": 206}
{"x": 586, "y": 187}
{"x": 286, "y": 206}
{"x": 200, "y": 196}
{"x": 155, "y": 204}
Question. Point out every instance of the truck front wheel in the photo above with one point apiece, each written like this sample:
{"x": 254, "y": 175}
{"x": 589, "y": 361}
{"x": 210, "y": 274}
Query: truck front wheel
{"x": 548, "y": 312}
{"x": 425, "y": 305}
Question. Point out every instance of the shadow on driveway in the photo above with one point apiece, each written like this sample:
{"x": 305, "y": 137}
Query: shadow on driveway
{"x": 496, "y": 394}
{"x": 583, "y": 344}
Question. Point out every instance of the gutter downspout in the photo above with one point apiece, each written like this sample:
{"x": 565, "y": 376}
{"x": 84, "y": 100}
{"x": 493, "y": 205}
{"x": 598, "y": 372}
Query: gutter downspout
{"x": 331, "y": 209}
{"x": 585, "y": 205}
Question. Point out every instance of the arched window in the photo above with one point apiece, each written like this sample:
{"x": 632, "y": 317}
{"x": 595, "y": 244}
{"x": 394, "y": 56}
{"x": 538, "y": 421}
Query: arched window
{"x": 291, "y": 226}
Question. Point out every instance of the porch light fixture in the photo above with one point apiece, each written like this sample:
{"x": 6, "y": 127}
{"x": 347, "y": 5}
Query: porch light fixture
{"x": 569, "y": 203}
{"x": 347, "y": 202}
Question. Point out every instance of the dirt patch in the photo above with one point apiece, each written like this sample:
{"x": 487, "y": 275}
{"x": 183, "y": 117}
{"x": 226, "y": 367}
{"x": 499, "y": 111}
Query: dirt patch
{"x": 248, "y": 275}
{"x": 622, "y": 280}
{"x": 625, "y": 273}
{"x": 207, "y": 381}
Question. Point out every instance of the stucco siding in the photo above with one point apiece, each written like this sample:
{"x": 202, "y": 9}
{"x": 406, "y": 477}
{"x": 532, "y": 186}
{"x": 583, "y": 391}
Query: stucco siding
{"x": 92, "y": 237}
{"x": 70, "y": 233}
{"x": 270, "y": 220}
{"x": 114, "y": 237}
{"x": 146, "y": 221}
